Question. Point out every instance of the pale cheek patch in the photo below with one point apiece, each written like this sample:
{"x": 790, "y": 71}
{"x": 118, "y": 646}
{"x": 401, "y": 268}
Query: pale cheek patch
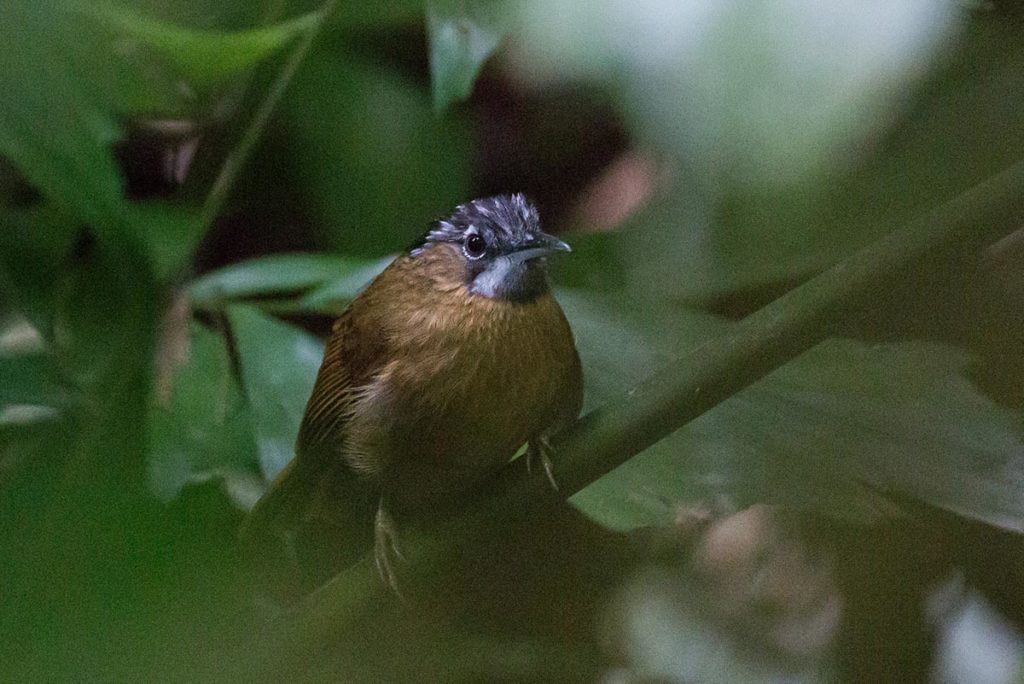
{"x": 491, "y": 282}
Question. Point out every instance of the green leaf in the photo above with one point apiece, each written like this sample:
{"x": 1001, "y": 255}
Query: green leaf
{"x": 126, "y": 80}
{"x": 279, "y": 364}
{"x": 272, "y": 275}
{"x": 829, "y": 431}
{"x": 207, "y": 58}
{"x": 334, "y": 296}
{"x": 97, "y": 313}
{"x": 347, "y": 121}
{"x": 623, "y": 339}
{"x": 462, "y": 34}
{"x": 54, "y": 125}
{"x": 76, "y": 510}
{"x": 199, "y": 425}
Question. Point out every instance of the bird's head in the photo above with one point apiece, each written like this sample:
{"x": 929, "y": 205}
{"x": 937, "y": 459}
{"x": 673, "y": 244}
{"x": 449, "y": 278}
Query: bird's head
{"x": 501, "y": 244}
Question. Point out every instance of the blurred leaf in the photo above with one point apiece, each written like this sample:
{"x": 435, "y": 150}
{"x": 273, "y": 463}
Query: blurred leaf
{"x": 59, "y": 122}
{"x": 216, "y": 15}
{"x": 829, "y": 430}
{"x": 96, "y": 313}
{"x": 204, "y": 429}
{"x": 279, "y": 365}
{"x": 30, "y": 379}
{"x": 53, "y": 125}
{"x": 939, "y": 148}
{"x": 334, "y": 296}
{"x": 375, "y": 165}
{"x": 126, "y": 79}
{"x": 205, "y": 57}
{"x": 764, "y": 93}
{"x": 596, "y": 263}
{"x": 374, "y": 14}
{"x": 34, "y": 248}
{"x": 903, "y": 119}
{"x": 169, "y": 232}
{"x": 462, "y": 34}
{"x": 274, "y": 274}
{"x": 671, "y": 631}
{"x": 76, "y": 521}
{"x": 61, "y": 117}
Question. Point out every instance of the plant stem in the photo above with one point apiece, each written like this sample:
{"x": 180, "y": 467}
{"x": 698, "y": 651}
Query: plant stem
{"x": 681, "y": 392}
{"x": 239, "y": 155}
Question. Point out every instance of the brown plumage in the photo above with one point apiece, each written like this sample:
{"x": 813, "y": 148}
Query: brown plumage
{"x": 428, "y": 386}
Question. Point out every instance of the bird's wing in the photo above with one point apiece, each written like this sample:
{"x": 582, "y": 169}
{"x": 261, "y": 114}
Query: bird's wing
{"x": 323, "y": 425}
{"x": 353, "y": 355}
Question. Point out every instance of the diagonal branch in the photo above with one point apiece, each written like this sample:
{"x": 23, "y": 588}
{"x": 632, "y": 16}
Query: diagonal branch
{"x": 663, "y": 403}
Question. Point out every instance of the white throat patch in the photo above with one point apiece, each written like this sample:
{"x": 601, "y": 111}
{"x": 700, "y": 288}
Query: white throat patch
{"x": 491, "y": 282}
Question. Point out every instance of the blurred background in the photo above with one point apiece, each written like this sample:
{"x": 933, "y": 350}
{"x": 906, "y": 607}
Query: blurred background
{"x": 191, "y": 191}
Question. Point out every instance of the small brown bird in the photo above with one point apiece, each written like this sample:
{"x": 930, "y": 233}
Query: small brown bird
{"x": 455, "y": 356}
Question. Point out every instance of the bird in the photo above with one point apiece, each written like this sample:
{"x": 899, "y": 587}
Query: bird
{"x": 438, "y": 372}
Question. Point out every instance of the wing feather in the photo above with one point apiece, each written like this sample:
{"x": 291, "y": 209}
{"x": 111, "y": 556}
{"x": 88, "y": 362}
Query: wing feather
{"x": 352, "y": 357}
{"x": 355, "y": 353}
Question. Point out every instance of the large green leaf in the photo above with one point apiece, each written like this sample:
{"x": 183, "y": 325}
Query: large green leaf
{"x": 54, "y": 125}
{"x": 273, "y": 275}
{"x": 624, "y": 339}
{"x": 63, "y": 91}
{"x": 200, "y": 426}
{"x": 900, "y": 418}
{"x": 279, "y": 364}
{"x": 334, "y": 296}
{"x": 462, "y": 34}
{"x": 205, "y": 57}
{"x": 829, "y": 431}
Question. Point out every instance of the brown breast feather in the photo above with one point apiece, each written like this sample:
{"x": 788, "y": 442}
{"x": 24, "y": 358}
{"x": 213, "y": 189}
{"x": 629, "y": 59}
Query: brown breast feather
{"x": 437, "y": 384}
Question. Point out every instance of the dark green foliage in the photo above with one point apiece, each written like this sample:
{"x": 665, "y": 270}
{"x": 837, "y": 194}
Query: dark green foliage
{"x": 153, "y": 377}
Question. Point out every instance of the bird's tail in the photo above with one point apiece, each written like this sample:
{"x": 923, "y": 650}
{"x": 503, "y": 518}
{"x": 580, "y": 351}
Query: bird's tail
{"x": 310, "y": 530}
{"x": 279, "y": 508}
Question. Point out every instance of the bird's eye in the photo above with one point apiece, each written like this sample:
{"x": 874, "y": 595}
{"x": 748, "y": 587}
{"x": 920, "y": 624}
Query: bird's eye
{"x": 475, "y": 246}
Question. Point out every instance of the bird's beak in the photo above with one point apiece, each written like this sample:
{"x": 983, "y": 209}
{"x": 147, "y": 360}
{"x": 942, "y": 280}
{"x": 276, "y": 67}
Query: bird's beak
{"x": 540, "y": 245}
